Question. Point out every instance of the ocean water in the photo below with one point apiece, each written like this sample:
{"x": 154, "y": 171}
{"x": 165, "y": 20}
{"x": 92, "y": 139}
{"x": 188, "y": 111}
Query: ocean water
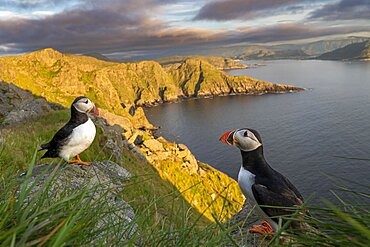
{"x": 303, "y": 133}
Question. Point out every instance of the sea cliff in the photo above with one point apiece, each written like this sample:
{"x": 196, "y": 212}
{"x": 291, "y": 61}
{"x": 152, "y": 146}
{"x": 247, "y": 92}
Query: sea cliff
{"x": 121, "y": 89}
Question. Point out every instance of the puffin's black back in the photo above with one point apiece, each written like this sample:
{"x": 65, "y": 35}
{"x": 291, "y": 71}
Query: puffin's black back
{"x": 63, "y": 135}
{"x": 271, "y": 188}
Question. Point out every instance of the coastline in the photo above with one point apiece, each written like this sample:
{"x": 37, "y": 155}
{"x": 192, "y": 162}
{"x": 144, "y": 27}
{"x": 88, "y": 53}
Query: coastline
{"x": 122, "y": 90}
{"x": 210, "y": 96}
{"x": 171, "y": 158}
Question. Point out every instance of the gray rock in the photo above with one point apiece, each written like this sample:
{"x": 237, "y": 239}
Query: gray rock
{"x": 18, "y": 105}
{"x": 139, "y": 140}
{"x": 105, "y": 180}
{"x": 244, "y": 220}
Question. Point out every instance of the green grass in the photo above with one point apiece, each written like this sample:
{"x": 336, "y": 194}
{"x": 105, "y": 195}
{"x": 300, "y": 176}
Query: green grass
{"x": 69, "y": 218}
{"x": 340, "y": 222}
{"x": 163, "y": 217}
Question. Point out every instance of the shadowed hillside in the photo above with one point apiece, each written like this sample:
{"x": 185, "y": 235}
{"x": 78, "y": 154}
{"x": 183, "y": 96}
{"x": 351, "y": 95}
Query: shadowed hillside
{"x": 357, "y": 51}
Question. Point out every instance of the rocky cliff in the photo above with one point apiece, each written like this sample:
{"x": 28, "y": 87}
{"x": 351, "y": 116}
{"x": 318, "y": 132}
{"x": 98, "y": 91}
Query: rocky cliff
{"x": 221, "y": 63}
{"x": 198, "y": 78}
{"x": 119, "y": 89}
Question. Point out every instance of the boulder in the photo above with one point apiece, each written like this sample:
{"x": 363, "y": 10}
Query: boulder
{"x": 182, "y": 147}
{"x": 244, "y": 220}
{"x": 192, "y": 160}
{"x": 113, "y": 119}
{"x": 139, "y": 140}
{"x": 182, "y": 154}
{"x": 104, "y": 180}
{"x": 153, "y": 145}
{"x": 18, "y": 105}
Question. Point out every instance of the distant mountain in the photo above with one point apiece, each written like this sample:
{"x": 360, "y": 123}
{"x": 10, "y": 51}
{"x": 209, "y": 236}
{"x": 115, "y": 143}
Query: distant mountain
{"x": 284, "y": 51}
{"x": 321, "y": 46}
{"x": 271, "y": 53}
{"x": 219, "y": 62}
{"x": 357, "y": 51}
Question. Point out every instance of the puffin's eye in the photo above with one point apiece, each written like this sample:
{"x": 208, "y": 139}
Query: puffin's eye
{"x": 86, "y": 101}
{"x": 245, "y": 133}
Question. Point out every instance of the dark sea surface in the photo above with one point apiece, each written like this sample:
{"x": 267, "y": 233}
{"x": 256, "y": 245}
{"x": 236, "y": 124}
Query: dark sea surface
{"x": 302, "y": 132}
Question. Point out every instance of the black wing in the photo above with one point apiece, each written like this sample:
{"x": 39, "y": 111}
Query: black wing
{"x": 293, "y": 188}
{"x": 59, "y": 139}
{"x": 271, "y": 202}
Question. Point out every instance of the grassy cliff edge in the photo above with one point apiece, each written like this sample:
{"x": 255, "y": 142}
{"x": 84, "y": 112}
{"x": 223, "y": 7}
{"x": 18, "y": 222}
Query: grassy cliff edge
{"x": 120, "y": 89}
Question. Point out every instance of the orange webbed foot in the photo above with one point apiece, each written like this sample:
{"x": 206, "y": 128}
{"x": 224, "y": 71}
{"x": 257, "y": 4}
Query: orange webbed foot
{"x": 79, "y": 161}
{"x": 263, "y": 229}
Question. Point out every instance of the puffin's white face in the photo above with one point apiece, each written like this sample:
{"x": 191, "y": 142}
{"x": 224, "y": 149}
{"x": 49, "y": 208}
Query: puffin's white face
{"x": 85, "y": 105}
{"x": 244, "y": 139}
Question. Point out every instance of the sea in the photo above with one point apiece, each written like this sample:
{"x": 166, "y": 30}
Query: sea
{"x": 318, "y": 138}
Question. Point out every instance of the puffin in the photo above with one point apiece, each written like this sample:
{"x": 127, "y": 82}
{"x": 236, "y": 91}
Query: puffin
{"x": 76, "y": 135}
{"x": 272, "y": 193}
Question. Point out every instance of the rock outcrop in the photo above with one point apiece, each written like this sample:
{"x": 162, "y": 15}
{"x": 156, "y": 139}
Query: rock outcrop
{"x": 121, "y": 88}
{"x": 244, "y": 221}
{"x": 206, "y": 189}
{"x": 103, "y": 181}
{"x": 197, "y": 78}
{"x": 221, "y": 63}
{"x": 18, "y": 105}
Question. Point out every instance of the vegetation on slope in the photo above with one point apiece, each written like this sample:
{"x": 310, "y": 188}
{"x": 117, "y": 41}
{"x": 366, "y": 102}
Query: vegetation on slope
{"x": 221, "y": 63}
{"x": 163, "y": 216}
{"x": 60, "y": 77}
{"x": 162, "y": 213}
{"x": 119, "y": 88}
{"x": 198, "y": 78}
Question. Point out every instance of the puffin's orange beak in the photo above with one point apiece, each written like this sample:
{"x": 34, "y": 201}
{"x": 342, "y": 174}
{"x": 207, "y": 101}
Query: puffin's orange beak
{"x": 227, "y": 137}
{"x": 95, "y": 110}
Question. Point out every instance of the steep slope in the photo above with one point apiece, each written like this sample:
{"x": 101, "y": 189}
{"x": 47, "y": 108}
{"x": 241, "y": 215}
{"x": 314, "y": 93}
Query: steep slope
{"x": 119, "y": 89}
{"x": 221, "y": 63}
{"x": 198, "y": 78}
{"x": 157, "y": 203}
{"x": 324, "y": 46}
{"x": 350, "y": 52}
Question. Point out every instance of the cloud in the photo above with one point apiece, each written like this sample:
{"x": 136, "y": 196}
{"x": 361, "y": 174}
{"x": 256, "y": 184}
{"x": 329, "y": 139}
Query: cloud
{"x": 288, "y": 32}
{"x": 223, "y": 10}
{"x": 343, "y": 10}
{"x": 30, "y": 4}
{"x": 100, "y": 26}
{"x": 113, "y": 26}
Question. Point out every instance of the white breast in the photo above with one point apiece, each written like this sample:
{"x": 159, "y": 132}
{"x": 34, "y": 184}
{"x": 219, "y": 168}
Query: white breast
{"x": 81, "y": 138}
{"x": 245, "y": 180}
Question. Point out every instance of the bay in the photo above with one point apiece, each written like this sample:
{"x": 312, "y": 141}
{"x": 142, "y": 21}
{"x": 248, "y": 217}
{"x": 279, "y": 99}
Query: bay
{"x": 303, "y": 133}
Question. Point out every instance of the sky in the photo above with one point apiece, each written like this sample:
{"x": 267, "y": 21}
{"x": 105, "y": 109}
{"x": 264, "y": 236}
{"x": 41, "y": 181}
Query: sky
{"x": 131, "y": 27}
